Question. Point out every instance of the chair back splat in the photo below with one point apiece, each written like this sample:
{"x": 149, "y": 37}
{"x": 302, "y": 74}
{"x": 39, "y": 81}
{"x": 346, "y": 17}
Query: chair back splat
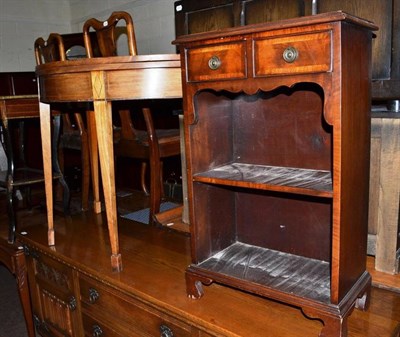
{"x": 107, "y": 35}
{"x": 51, "y": 50}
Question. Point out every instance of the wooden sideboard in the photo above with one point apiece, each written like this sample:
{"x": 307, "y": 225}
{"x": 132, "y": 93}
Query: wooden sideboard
{"x": 75, "y": 293}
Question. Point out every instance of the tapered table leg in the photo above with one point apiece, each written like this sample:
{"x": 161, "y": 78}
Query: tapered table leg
{"x": 94, "y": 160}
{"x": 104, "y": 130}
{"x": 45, "y": 131}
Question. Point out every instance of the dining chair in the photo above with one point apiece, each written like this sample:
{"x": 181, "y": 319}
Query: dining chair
{"x": 150, "y": 145}
{"x": 74, "y": 135}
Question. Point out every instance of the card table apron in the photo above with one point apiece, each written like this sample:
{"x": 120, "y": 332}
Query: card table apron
{"x": 101, "y": 81}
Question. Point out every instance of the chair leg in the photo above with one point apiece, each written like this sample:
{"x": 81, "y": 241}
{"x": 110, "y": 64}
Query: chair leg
{"x": 5, "y": 140}
{"x": 155, "y": 192}
{"x": 162, "y": 195}
{"x": 58, "y": 188}
{"x": 85, "y": 173}
{"x": 155, "y": 166}
{"x": 28, "y": 197}
{"x": 11, "y": 214}
{"x": 143, "y": 178}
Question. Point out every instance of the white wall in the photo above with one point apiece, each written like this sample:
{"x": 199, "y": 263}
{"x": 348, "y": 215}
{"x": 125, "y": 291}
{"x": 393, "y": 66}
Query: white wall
{"x": 153, "y": 20}
{"x": 22, "y": 21}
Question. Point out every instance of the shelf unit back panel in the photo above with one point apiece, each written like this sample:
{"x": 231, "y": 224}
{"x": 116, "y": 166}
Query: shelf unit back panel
{"x": 284, "y": 127}
{"x": 281, "y": 221}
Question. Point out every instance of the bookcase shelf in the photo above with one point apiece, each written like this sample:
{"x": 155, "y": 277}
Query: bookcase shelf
{"x": 272, "y": 178}
{"x": 273, "y": 270}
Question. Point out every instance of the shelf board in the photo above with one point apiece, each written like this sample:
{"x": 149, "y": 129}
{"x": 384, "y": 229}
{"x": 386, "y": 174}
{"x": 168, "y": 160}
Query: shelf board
{"x": 273, "y": 178}
{"x": 274, "y": 270}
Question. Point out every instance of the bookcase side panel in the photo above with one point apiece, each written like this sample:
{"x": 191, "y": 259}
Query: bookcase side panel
{"x": 354, "y": 155}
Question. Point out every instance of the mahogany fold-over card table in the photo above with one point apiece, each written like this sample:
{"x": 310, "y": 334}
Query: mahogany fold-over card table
{"x": 101, "y": 81}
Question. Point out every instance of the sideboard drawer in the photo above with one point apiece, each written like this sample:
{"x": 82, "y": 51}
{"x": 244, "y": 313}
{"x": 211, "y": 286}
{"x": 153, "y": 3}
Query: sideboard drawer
{"x": 93, "y": 327}
{"x": 126, "y": 315}
{"x": 225, "y": 61}
{"x": 307, "y": 53}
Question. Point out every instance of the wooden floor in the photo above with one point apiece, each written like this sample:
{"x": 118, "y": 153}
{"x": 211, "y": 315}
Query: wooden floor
{"x": 381, "y": 320}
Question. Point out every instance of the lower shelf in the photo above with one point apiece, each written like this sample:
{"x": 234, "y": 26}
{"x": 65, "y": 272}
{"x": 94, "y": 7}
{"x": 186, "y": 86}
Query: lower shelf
{"x": 292, "y": 274}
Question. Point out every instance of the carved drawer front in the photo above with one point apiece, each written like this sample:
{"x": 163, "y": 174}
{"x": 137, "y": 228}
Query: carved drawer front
{"x": 123, "y": 315}
{"x": 225, "y": 61}
{"x": 307, "y": 53}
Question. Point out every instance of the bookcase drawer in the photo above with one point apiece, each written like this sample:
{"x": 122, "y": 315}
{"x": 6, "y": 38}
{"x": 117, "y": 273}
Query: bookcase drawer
{"x": 225, "y": 61}
{"x": 306, "y": 53}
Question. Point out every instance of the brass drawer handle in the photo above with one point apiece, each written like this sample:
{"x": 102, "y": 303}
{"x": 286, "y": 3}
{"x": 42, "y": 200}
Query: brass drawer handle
{"x": 290, "y": 54}
{"x": 72, "y": 303}
{"x": 93, "y": 295}
{"x": 165, "y": 331}
{"x": 214, "y": 63}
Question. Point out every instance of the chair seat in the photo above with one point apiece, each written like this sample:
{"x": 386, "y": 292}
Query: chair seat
{"x": 164, "y": 136}
{"x": 71, "y": 140}
{"x": 168, "y": 144}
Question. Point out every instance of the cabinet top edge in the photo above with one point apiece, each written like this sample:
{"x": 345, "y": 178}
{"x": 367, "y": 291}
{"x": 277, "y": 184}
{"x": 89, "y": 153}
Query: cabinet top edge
{"x": 281, "y": 24}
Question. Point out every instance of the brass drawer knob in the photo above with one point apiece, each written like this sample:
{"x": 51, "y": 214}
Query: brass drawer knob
{"x": 165, "y": 331}
{"x": 214, "y": 63}
{"x": 93, "y": 295}
{"x": 290, "y": 54}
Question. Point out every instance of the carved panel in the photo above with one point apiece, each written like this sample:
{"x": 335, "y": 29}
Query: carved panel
{"x": 51, "y": 274}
